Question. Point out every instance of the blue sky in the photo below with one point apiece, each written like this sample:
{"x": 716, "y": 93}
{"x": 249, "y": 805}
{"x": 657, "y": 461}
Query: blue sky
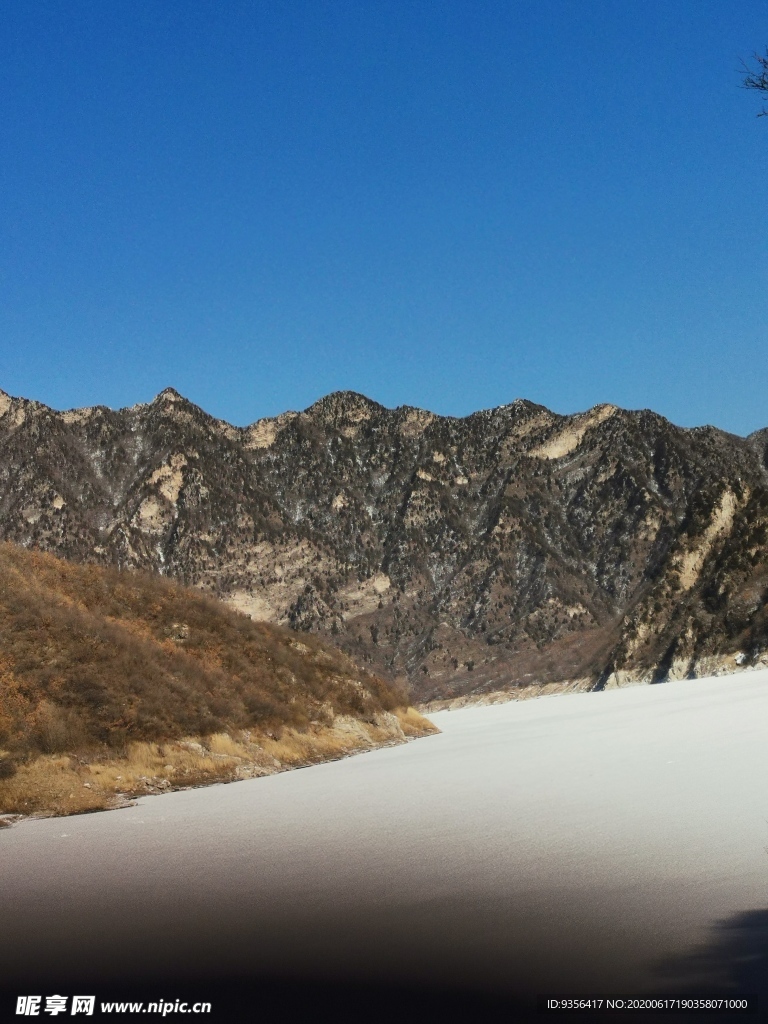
{"x": 442, "y": 203}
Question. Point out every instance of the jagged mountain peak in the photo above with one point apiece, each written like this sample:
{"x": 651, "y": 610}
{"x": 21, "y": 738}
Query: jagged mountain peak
{"x": 510, "y": 545}
{"x": 340, "y": 405}
{"x": 169, "y": 395}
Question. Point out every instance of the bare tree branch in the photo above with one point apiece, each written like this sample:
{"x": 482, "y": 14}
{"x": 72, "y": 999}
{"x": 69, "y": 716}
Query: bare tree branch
{"x": 757, "y": 75}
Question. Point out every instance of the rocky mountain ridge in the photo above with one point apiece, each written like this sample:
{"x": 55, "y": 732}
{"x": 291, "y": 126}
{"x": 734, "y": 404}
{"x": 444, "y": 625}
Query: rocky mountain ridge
{"x": 511, "y": 547}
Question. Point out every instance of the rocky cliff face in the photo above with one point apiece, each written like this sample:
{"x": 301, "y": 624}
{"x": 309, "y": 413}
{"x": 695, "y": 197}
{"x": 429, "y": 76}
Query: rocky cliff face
{"x": 510, "y": 547}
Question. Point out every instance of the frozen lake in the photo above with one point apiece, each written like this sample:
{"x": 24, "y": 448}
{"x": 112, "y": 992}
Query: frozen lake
{"x": 610, "y": 842}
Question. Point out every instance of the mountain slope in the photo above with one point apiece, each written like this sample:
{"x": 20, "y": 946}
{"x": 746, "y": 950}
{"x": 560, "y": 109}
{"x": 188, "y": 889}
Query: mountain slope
{"x": 509, "y": 547}
{"x": 115, "y": 668}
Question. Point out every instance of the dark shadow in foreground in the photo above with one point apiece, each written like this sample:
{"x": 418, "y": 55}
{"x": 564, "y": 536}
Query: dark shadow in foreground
{"x": 733, "y": 963}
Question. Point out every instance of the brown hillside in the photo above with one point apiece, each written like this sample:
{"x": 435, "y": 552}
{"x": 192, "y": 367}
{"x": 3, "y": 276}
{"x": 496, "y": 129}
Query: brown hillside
{"x": 100, "y": 666}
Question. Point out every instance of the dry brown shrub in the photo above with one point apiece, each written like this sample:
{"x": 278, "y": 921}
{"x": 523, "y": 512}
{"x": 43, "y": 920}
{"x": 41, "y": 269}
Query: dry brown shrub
{"x": 56, "y": 730}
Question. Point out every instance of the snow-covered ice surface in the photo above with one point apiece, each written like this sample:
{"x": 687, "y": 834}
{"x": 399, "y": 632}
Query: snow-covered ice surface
{"x": 609, "y": 842}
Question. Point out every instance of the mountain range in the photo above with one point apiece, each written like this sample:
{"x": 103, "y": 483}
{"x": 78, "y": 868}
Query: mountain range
{"x": 503, "y": 551}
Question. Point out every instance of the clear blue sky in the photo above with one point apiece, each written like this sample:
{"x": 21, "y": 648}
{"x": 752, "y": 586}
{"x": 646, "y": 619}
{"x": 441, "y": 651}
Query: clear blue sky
{"x": 444, "y": 203}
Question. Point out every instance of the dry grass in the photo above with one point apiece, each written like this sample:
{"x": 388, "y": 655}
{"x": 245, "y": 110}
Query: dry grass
{"x": 223, "y": 743}
{"x": 53, "y": 784}
{"x": 413, "y": 723}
